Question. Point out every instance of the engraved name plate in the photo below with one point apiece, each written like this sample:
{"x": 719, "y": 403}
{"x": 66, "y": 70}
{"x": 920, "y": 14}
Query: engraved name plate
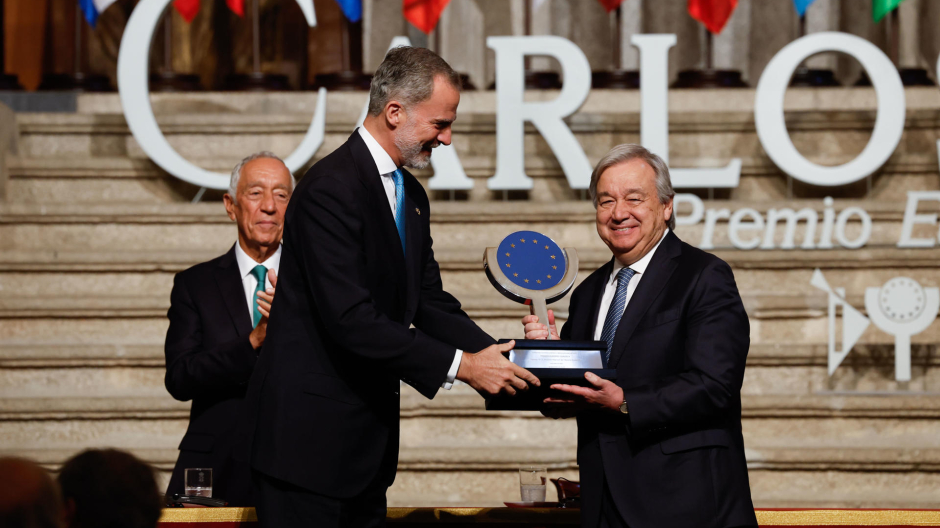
{"x": 557, "y": 359}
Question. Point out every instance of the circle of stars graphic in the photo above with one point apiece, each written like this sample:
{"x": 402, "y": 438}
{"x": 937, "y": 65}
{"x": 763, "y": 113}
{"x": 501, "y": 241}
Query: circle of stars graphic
{"x": 531, "y": 260}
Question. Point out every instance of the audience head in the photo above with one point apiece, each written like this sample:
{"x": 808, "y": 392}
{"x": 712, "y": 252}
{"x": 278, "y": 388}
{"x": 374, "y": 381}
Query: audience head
{"x": 256, "y": 200}
{"x": 414, "y": 95}
{"x": 632, "y": 196}
{"x": 107, "y": 488}
{"x": 29, "y": 497}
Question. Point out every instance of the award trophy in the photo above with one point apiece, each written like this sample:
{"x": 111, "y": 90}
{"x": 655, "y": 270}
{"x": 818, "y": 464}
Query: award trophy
{"x": 530, "y": 268}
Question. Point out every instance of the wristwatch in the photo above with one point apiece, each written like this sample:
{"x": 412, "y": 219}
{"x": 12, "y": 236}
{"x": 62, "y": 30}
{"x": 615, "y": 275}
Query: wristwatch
{"x": 623, "y": 407}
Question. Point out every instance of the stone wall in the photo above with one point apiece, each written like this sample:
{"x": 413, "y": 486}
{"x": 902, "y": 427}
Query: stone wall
{"x": 92, "y": 232}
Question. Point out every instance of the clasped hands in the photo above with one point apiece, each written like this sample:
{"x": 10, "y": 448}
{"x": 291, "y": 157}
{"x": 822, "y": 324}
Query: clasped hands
{"x": 602, "y": 394}
{"x": 265, "y": 298}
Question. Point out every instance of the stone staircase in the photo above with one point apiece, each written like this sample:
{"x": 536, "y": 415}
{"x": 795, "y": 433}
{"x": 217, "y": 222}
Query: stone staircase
{"x": 91, "y": 233}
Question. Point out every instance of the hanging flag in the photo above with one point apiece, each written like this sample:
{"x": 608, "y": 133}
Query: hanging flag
{"x": 880, "y": 8}
{"x": 187, "y": 8}
{"x": 714, "y": 14}
{"x": 802, "y": 5}
{"x": 93, "y": 8}
{"x": 352, "y": 9}
{"x": 237, "y": 6}
{"x": 610, "y": 5}
{"x": 423, "y": 14}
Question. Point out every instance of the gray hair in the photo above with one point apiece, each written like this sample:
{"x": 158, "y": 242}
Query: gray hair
{"x": 631, "y": 151}
{"x": 407, "y": 75}
{"x": 237, "y": 171}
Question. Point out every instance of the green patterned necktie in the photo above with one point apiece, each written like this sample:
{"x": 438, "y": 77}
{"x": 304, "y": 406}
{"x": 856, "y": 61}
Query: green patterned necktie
{"x": 260, "y": 272}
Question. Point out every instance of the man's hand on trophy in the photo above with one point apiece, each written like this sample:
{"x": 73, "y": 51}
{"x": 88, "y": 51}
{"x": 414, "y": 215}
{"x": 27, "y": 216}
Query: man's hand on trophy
{"x": 536, "y": 330}
{"x": 490, "y": 373}
{"x": 602, "y": 393}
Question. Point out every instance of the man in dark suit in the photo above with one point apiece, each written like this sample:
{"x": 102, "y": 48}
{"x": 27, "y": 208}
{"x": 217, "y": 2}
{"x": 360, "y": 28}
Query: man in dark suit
{"x": 358, "y": 272}
{"x": 661, "y": 445}
{"x": 218, "y": 322}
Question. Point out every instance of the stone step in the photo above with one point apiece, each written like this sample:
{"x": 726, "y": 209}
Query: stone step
{"x": 24, "y": 422}
{"x": 118, "y": 180}
{"x": 775, "y": 319}
{"x": 455, "y": 225}
{"x": 468, "y": 475}
{"x": 50, "y": 273}
{"x": 106, "y": 330}
{"x": 202, "y": 132}
{"x": 911, "y": 415}
{"x": 834, "y": 487}
{"x": 150, "y": 355}
{"x": 767, "y": 294}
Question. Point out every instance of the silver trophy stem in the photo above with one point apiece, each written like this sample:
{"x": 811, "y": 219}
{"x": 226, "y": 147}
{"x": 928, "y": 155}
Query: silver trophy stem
{"x": 540, "y": 308}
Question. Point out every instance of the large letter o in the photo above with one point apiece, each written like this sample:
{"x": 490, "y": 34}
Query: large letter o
{"x": 134, "y": 88}
{"x": 772, "y": 129}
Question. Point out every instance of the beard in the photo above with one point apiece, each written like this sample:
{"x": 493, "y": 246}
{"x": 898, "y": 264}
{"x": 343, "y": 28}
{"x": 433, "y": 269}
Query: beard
{"x": 414, "y": 153}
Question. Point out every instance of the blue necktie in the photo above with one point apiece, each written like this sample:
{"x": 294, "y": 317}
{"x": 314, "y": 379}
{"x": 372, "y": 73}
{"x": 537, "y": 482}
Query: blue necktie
{"x": 260, "y": 272}
{"x": 617, "y": 306}
{"x": 399, "y": 180}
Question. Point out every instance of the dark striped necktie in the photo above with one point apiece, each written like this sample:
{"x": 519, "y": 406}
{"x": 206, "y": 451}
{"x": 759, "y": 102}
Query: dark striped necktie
{"x": 615, "y": 312}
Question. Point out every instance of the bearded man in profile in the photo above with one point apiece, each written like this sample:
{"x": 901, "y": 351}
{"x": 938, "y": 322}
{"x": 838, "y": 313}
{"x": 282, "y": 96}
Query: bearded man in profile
{"x": 361, "y": 308}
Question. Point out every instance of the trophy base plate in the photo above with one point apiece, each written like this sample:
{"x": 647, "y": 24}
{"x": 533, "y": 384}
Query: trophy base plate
{"x": 532, "y": 399}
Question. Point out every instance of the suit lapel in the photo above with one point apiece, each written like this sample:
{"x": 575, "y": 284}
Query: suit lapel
{"x": 378, "y": 201}
{"x": 653, "y": 281}
{"x": 414, "y": 245}
{"x": 597, "y": 294}
{"x": 229, "y": 281}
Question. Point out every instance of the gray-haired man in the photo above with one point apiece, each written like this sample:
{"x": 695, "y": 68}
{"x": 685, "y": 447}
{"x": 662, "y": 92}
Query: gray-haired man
{"x": 357, "y": 272}
{"x": 661, "y": 444}
{"x": 218, "y": 321}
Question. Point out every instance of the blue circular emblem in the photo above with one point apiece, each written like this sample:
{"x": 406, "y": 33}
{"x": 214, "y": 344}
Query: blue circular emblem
{"x": 531, "y": 260}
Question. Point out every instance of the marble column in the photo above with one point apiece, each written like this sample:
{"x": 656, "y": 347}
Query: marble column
{"x": 929, "y": 44}
{"x": 856, "y": 19}
{"x": 587, "y": 24}
{"x": 731, "y": 48}
{"x": 548, "y": 17}
{"x": 774, "y": 24}
{"x": 908, "y": 14}
{"x": 382, "y": 21}
{"x": 631, "y": 23}
{"x": 500, "y": 17}
{"x": 823, "y": 15}
{"x": 462, "y": 42}
{"x": 672, "y": 16}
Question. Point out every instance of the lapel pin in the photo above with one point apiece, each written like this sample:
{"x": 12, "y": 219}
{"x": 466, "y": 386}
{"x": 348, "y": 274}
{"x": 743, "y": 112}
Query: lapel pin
{"x": 418, "y": 210}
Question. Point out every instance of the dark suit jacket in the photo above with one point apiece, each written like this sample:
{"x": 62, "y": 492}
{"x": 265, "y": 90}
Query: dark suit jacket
{"x": 324, "y": 395}
{"x": 677, "y": 459}
{"x": 209, "y": 361}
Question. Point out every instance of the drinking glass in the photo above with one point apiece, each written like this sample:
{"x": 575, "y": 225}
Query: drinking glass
{"x": 532, "y": 484}
{"x": 198, "y": 482}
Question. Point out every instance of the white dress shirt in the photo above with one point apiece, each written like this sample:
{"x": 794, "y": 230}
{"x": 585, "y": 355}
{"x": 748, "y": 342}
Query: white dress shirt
{"x": 610, "y": 289}
{"x": 249, "y": 282}
{"x": 386, "y": 167}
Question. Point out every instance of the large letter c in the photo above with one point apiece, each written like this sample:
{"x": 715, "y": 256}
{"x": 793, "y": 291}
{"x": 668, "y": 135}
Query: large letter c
{"x": 134, "y": 89}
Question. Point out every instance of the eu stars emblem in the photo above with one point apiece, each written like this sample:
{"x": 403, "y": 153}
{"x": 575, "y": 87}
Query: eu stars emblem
{"x": 530, "y": 268}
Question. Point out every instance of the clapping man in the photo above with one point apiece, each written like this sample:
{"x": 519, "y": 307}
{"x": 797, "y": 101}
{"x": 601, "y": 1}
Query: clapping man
{"x": 218, "y": 322}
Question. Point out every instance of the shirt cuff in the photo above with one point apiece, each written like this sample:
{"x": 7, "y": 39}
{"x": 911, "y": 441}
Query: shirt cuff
{"x": 452, "y": 373}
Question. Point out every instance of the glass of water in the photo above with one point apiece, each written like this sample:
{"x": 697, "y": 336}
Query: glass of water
{"x": 532, "y": 484}
{"x": 198, "y": 482}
